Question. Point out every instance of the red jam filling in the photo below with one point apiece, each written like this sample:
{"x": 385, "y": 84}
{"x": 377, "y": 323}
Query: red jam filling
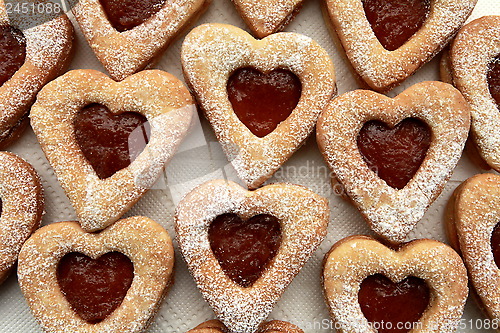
{"x": 495, "y": 244}
{"x": 108, "y": 140}
{"x": 244, "y": 248}
{"x": 395, "y": 154}
{"x": 262, "y": 101}
{"x": 388, "y": 305}
{"x": 494, "y": 79}
{"x": 396, "y": 21}
{"x": 95, "y": 288}
{"x": 127, "y": 14}
{"x": 12, "y": 52}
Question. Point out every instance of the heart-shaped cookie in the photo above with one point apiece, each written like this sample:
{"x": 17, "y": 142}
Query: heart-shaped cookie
{"x": 303, "y": 218}
{"x": 471, "y": 68}
{"x": 380, "y": 68}
{"x": 212, "y": 53}
{"x": 392, "y": 211}
{"x": 30, "y": 58}
{"x": 139, "y": 30}
{"x": 21, "y": 207}
{"x": 355, "y": 275}
{"x": 52, "y": 274}
{"x": 158, "y": 96}
{"x": 274, "y": 326}
{"x": 267, "y": 17}
{"x": 472, "y": 220}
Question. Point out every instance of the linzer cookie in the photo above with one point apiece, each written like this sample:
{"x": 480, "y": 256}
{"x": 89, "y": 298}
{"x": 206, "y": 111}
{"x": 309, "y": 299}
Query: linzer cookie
{"x": 29, "y": 58}
{"x": 274, "y": 326}
{"x": 127, "y": 36}
{"x": 112, "y": 281}
{"x": 394, "y": 155}
{"x": 265, "y": 17}
{"x": 473, "y": 65}
{"x": 420, "y": 287}
{"x": 262, "y": 97}
{"x": 108, "y": 141}
{"x": 386, "y": 41}
{"x": 473, "y": 219}
{"x": 243, "y": 247}
{"x": 21, "y": 208}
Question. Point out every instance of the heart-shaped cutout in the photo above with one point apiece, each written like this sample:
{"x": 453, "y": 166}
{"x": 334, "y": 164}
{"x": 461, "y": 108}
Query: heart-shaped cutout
{"x": 211, "y": 53}
{"x": 127, "y": 36}
{"x": 158, "y": 96}
{"x": 128, "y": 14}
{"x": 353, "y": 292}
{"x": 244, "y": 248}
{"x": 303, "y": 219}
{"x": 26, "y": 65}
{"x": 262, "y": 101}
{"x": 106, "y": 138}
{"x": 391, "y": 212}
{"x": 394, "y": 154}
{"x": 472, "y": 225}
{"x": 495, "y": 244}
{"x": 472, "y": 65}
{"x": 265, "y": 17}
{"x": 21, "y": 207}
{"x": 12, "y": 51}
{"x": 273, "y": 326}
{"x": 494, "y": 79}
{"x": 382, "y": 69}
{"x": 118, "y": 290}
{"x": 385, "y": 303}
{"x": 394, "y": 21}
{"x": 95, "y": 288}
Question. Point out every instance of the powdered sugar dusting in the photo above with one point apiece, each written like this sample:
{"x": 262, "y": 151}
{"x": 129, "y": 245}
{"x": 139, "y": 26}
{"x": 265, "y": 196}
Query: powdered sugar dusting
{"x": 354, "y": 259}
{"x": 476, "y": 214}
{"x": 210, "y": 54}
{"x": 303, "y": 216}
{"x": 143, "y": 241}
{"x": 393, "y": 213}
{"x": 267, "y": 16}
{"x": 382, "y": 69}
{"x": 22, "y": 207}
{"x": 157, "y": 95}
{"x": 476, "y": 45}
{"x": 48, "y": 47}
{"x": 123, "y": 54}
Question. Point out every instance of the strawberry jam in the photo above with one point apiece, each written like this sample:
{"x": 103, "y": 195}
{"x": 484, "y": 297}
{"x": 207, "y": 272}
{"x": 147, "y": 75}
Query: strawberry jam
{"x": 495, "y": 244}
{"x": 95, "y": 288}
{"x": 262, "y": 101}
{"x": 395, "y": 154}
{"x": 494, "y": 79}
{"x": 12, "y": 52}
{"x": 396, "y": 21}
{"x": 386, "y": 304}
{"x": 127, "y": 14}
{"x": 108, "y": 140}
{"x": 244, "y": 248}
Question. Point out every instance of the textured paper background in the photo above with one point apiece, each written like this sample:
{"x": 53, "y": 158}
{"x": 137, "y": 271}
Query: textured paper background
{"x": 200, "y": 158}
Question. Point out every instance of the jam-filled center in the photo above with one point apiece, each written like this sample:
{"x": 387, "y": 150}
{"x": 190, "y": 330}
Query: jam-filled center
{"x": 12, "y": 52}
{"x": 95, "y": 288}
{"x": 394, "y": 154}
{"x": 110, "y": 141}
{"x": 263, "y": 100}
{"x": 244, "y": 248}
{"x": 494, "y": 79}
{"x": 127, "y": 14}
{"x": 495, "y": 244}
{"x": 396, "y": 21}
{"x": 393, "y": 307}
